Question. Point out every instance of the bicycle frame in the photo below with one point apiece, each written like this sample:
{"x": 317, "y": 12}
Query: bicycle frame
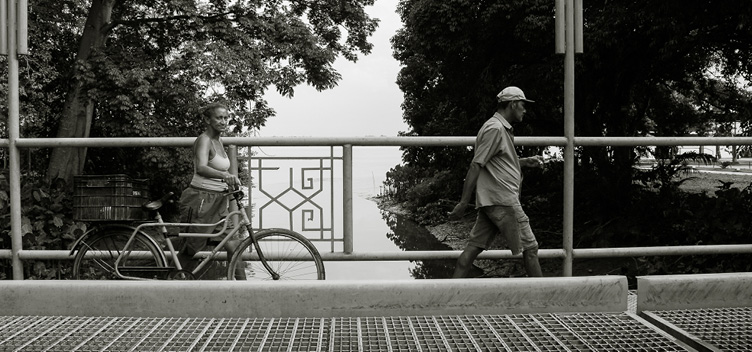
{"x": 243, "y": 222}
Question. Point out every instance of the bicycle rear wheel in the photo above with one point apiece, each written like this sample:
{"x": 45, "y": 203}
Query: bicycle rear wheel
{"x": 288, "y": 253}
{"x": 95, "y": 259}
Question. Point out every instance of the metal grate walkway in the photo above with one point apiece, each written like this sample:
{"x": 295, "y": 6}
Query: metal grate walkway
{"x": 519, "y": 332}
{"x": 724, "y": 329}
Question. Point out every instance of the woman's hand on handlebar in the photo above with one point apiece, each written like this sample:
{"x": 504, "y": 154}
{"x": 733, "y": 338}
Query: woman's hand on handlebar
{"x": 231, "y": 180}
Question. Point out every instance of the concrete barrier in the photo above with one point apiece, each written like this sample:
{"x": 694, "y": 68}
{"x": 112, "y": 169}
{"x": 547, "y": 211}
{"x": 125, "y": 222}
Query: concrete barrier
{"x": 313, "y": 299}
{"x": 674, "y": 292}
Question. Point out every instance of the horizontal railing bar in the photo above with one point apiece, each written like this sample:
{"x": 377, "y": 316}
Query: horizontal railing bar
{"x": 579, "y": 253}
{"x": 662, "y": 251}
{"x": 372, "y": 141}
{"x": 275, "y": 141}
{"x": 433, "y": 255}
{"x": 660, "y": 141}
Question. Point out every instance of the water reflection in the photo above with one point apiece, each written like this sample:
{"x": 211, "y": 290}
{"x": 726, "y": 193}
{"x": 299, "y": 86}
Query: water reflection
{"x": 409, "y": 236}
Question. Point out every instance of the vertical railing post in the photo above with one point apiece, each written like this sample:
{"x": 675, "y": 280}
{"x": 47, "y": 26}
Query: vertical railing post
{"x": 347, "y": 198}
{"x": 232, "y": 154}
{"x": 568, "y": 205}
{"x": 14, "y": 134}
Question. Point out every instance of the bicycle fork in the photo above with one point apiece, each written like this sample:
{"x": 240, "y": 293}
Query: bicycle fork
{"x": 249, "y": 228}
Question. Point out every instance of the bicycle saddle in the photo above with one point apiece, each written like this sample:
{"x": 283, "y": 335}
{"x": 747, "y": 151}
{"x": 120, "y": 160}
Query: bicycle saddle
{"x": 156, "y": 204}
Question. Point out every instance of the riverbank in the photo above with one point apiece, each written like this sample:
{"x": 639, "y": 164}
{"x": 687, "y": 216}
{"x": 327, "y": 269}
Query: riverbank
{"x": 454, "y": 233}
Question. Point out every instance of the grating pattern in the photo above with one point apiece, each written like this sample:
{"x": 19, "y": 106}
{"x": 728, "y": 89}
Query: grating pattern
{"x": 632, "y": 301}
{"x": 522, "y": 332}
{"x": 729, "y": 329}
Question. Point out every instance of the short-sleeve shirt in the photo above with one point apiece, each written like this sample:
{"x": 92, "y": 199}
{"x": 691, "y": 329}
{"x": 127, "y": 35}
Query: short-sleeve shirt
{"x": 500, "y": 174}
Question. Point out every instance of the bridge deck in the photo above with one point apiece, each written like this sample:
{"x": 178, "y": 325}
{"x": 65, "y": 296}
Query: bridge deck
{"x": 516, "y": 332}
{"x": 666, "y": 313}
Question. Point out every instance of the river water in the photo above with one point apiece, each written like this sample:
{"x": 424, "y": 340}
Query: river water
{"x": 374, "y": 230}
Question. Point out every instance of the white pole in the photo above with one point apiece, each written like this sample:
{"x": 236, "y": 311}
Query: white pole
{"x": 569, "y": 134}
{"x": 15, "y": 157}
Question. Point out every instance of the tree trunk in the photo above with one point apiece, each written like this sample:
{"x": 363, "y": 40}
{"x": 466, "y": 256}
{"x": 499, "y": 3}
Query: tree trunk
{"x": 75, "y": 122}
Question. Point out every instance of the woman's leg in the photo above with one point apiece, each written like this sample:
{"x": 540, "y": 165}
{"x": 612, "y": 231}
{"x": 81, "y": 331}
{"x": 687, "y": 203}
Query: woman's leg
{"x": 230, "y": 247}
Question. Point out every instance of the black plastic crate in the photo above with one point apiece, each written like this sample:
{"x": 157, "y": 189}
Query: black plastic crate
{"x": 109, "y": 198}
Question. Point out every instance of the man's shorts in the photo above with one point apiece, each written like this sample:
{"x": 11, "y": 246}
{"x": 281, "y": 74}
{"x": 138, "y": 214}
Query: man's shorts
{"x": 510, "y": 221}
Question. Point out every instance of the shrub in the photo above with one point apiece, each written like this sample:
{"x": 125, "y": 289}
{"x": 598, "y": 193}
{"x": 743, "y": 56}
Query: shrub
{"x": 46, "y": 216}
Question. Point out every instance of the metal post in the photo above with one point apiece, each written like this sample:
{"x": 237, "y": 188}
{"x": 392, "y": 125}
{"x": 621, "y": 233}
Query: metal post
{"x": 14, "y": 134}
{"x": 3, "y": 27}
{"x": 560, "y": 27}
{"x": 569, "y": 134}
{"x": 347, "y": 198}
{"x": 233, "y": 156}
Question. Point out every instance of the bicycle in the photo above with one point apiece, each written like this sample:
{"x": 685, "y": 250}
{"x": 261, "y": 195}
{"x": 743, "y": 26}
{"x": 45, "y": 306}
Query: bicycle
{"x": 118, "y": 251}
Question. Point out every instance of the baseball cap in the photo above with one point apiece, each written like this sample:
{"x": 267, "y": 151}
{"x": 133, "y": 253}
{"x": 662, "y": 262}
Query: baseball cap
{"x": 512, "y": 93}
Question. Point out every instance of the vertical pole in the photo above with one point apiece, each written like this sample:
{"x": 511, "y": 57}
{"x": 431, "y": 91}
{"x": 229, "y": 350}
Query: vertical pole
{"x": 569, "y": 134}
{"x": 14, "y": 134}
{"x": 578, "y": 24}
{"x": 233, "y": 156}
{"x": 560, "y": 27}
{"x": 347, "y": 198}
{"x": 3, "y": 27}
{"x": 22, "y": 27}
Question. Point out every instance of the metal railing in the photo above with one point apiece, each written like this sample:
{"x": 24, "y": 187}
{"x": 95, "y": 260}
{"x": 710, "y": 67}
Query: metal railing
{"x": 567, "y": 253}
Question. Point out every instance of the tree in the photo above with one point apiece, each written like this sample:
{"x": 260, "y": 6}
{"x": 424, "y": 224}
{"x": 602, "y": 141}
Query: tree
{"x": 458, "y": 54}
{"x": 646, "y": 70}
{"x": 142, "y": 68}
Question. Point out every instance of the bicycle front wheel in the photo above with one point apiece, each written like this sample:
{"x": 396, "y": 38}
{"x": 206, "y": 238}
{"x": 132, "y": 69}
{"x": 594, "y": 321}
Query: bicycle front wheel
{"x": 95, "y": 259}
{"x": 289, "y": 254}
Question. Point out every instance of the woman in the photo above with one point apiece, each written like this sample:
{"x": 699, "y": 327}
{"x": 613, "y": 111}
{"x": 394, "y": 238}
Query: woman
{"x": 203, "y": 201}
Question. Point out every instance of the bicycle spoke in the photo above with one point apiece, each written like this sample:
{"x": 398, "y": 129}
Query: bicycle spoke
{"x": 97, "y": 255}
{"x": 288, "y": 254}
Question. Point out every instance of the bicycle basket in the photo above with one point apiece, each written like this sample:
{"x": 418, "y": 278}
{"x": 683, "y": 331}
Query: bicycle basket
{"x": 109, "y": 197}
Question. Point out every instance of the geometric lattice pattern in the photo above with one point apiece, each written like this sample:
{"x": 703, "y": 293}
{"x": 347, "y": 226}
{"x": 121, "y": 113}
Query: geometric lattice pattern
{"x": 728, "y": 329}
{"x": 521, "y": 332}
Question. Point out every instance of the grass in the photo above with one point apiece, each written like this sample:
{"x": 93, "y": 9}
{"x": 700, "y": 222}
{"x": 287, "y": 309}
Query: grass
{"x": 705, "y": 181}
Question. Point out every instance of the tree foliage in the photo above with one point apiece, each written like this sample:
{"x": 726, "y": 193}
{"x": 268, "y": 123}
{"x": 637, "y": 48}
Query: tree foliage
{"x": 106, "y": 68}
{"x": 126, "y": 68}
{"x": 666, "y": 68}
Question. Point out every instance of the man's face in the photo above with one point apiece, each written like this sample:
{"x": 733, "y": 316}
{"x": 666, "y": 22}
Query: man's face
{"x": 218, "y": 120}
{"x": 518, "y": 110}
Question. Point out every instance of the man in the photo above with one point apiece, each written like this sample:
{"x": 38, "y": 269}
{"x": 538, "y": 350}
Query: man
{"x": 495, "y": 177}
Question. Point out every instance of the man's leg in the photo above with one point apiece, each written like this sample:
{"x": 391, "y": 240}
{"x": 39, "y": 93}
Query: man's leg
{"x": 465, "y": 261}
{"x": 532, "y": 266}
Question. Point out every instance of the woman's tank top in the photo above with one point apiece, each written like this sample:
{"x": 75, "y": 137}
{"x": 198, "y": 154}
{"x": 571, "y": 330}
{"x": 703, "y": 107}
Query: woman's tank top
{"x": 219, "y": 162}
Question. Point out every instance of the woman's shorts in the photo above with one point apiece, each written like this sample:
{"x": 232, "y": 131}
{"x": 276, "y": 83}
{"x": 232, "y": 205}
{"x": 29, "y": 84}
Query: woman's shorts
{"x": 201, "y": 206}
{"x": 510, "y": 221}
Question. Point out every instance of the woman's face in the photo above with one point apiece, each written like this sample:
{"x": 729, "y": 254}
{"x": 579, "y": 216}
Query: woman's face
{"x": 218, "y": 119}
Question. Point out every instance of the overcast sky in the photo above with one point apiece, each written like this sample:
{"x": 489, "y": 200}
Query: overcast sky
{"x": 365, "y": 103}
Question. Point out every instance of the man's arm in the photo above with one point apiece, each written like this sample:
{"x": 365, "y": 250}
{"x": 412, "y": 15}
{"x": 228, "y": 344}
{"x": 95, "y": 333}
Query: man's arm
{"x": 471, "y": 179}
{"x": 533, "y": 161}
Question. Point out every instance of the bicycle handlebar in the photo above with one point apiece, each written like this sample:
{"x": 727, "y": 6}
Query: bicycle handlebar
{"x": 237, "y": 193}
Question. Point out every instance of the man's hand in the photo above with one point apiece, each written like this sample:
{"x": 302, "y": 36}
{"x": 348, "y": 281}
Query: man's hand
{"x": 535, "y": 161}
{"x": 458, "y": 211}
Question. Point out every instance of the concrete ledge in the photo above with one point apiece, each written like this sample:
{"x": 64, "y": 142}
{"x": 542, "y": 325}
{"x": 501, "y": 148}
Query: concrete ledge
{"x": 313, "y": 299}
{"x": 673, "y": 292}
